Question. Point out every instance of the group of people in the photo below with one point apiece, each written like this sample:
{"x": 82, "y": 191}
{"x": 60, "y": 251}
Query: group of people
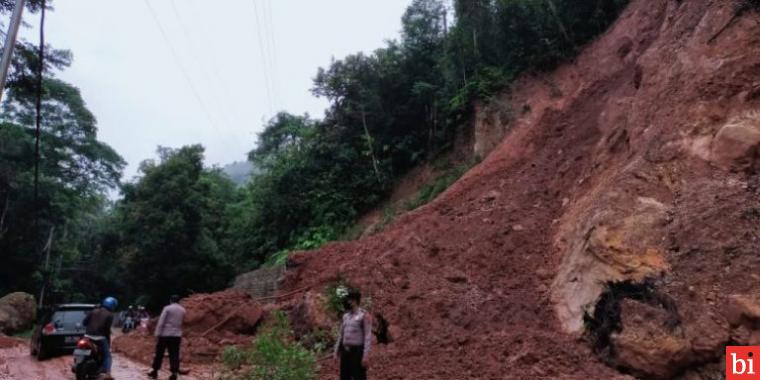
{"x": 134, "y": 317}
{"x": 351, "y": 348}
{"x": 168, "y": 332}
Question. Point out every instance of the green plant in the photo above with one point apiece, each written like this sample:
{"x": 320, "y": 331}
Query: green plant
{"x": 389, "y": 214}
{"x": 313, "y": 238}
{"x": 441, "y": 183}
{"x": 336, "y": 295}
{"x": 274, "y": 355}
{"x": 234, "y": 357}
{"x": 318, "y": 341}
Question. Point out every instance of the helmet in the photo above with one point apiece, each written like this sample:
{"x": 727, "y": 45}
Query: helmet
{"x": 110, "y": 303}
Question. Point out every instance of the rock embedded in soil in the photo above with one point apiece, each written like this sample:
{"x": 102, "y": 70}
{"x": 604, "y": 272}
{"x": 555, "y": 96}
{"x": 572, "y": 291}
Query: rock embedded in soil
{"x": 646, "y": 345}
{"x": 737, "y": 144}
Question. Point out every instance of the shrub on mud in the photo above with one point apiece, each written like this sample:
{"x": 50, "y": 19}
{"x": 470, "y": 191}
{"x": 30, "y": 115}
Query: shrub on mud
{"x": 274, "y": 355}
{"x": 319, "y": 341}
{"x": 336, "y": 296}
{"x": 436, "y": 187}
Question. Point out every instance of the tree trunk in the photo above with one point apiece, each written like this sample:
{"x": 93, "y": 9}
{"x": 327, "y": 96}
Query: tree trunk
{"x": 45, "y": 276}
{"x": 371, "y": 148}
{"x": 3, "y": 230}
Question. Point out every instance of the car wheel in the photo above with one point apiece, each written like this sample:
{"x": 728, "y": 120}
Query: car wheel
{"x": 32, "y": 348}
{"x": 42, "y": 352}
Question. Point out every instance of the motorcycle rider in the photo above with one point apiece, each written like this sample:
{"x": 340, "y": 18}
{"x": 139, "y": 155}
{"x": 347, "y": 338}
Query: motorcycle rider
{"x": 97, "y": 325}
{"x": 129, "y": 320}
{"x": 143, "y": 318}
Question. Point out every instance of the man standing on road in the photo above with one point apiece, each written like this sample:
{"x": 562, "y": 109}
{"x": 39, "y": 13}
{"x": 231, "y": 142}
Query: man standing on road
{"x": 169, "y": 336}
{"x": 354, "y": 340}
{"x": 97, "y": 325}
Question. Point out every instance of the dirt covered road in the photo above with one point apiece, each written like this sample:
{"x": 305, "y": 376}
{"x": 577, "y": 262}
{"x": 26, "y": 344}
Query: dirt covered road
{"x": 17, "y": 364}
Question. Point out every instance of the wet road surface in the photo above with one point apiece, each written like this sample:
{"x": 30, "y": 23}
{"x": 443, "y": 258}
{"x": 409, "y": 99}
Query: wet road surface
{"x": 17, "y": 364}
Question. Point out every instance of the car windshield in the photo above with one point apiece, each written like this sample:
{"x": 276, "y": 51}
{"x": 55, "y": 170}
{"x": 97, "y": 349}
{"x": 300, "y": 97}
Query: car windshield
{"x": 70, "y": 320}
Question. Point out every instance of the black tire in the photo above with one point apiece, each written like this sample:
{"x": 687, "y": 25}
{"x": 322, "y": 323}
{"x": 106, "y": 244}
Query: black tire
{"x": 81, "y": 373}
{"x": 33, "y": 348}
{"x": 43, "y": 352}
{"x": 87, "y": 369}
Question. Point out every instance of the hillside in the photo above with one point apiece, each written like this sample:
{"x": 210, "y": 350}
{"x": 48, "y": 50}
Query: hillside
{"x": 637, "y": 164}
{"x": 240, "y": 172}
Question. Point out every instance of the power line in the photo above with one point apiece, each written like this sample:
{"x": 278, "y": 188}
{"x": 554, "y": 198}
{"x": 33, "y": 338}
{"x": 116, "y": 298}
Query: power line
{"x": 215, "y": 65}
{"x": 221, "y": 103}
{"x": 182, "y": 69}
{"x": 270, "y": 32}
{"x": 262, "y": 51}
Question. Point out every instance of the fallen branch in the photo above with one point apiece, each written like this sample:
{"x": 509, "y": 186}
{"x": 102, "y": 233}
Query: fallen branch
{"x": 220, "y": 324}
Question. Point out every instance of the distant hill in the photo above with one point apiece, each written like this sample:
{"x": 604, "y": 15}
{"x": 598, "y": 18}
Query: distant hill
{"x": 240, "y": 171}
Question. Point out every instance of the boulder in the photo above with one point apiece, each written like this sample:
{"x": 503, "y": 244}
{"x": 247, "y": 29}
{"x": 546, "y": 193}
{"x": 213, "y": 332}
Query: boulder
{"x": 646, "y": 346}
{"x": 623, "y": 242}
{"x": 18, "y": 312}
{"x": 736, "y": 146}
{"x": 311, "y": 314}
{"x": 742, "y": 309}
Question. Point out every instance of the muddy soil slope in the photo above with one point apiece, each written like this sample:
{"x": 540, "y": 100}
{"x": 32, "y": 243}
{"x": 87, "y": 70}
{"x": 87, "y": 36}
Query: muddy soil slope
{"x": 637, "y": 164}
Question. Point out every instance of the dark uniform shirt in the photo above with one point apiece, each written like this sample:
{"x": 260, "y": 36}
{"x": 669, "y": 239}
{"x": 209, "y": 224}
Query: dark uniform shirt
{"x": 98, "y": 322}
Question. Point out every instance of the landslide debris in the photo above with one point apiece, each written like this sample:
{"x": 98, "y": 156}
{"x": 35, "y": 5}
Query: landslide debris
{"x": 626, "y": 194}
{"x": 212, "y": 322}
{"x": 636, "y": 163}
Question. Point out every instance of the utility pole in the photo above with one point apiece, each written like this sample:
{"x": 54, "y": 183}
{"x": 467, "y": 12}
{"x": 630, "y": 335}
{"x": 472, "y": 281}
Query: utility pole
{"x": 10, "y": 42}
{"x": 45, "y": 275}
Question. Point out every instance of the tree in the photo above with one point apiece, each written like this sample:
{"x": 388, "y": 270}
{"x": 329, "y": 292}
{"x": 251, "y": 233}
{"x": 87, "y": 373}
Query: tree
{"x": 171, "y": 221}
{"x": 75, "y": 168}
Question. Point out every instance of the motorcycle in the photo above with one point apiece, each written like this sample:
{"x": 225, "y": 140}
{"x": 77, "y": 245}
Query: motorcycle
{"x": 88, "y": 360}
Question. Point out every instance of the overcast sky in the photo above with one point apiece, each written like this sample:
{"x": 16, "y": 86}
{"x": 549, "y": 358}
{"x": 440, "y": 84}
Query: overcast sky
{"x": 176, "y": 72}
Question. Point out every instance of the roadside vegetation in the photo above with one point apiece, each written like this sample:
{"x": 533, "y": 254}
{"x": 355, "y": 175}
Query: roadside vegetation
{"x": 188, "y": 225}
{"x": 274, "y": 355}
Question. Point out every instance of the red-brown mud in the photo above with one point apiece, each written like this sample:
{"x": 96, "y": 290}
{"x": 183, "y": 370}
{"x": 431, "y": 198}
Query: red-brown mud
{"x": 615, "y": 171}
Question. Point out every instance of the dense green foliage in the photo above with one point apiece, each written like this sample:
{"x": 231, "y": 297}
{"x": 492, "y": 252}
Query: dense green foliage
{"x": 428, "y": 192}
{"x": 75, "y": 170}
{"x": 274, "y": 355}
{"x": 182, "y": 227}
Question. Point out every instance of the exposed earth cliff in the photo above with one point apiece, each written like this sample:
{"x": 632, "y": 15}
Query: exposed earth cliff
{"x": 614, "y": 231}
